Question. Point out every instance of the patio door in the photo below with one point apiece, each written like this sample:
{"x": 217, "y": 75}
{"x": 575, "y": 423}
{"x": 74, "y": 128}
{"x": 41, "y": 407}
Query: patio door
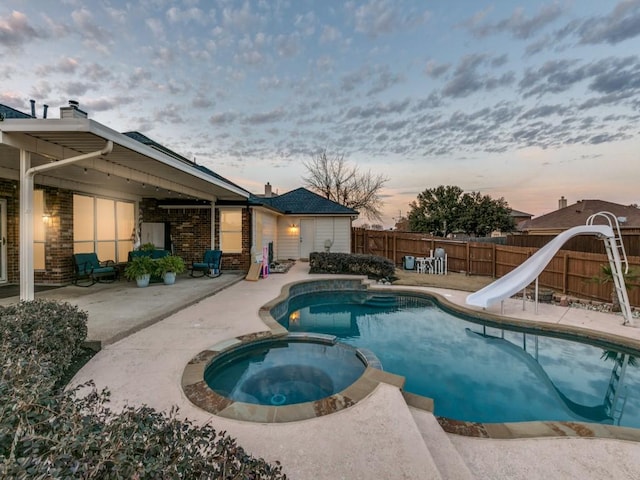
{"x": 3, "y": 241}
{"x": 307, "y": 236}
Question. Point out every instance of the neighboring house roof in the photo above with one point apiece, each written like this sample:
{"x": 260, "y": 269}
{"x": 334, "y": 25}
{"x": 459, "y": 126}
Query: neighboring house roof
{"x": 303, "y": 202}
{"x": 577, "y": 214}
{"x": 517, "y": 213}
{"x": 8, "y": 112}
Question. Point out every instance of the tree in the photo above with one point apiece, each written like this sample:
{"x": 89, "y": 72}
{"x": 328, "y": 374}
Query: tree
{"x": 334, "y": 179}
{"x": 436, "y": 210}
{"x": 446, "y": 209}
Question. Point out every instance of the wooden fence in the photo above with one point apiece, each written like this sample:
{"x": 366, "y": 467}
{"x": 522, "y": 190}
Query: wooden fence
{"x": 571, "y": 273}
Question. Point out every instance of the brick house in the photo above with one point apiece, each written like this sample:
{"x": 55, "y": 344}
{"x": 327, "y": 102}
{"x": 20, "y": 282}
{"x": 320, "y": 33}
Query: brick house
{"x": 567, "y": 216}
{"x": 71, "y": 185}
{"x": 83, "y": 187}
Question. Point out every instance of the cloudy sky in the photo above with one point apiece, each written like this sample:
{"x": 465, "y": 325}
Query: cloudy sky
{"x": 526, "y": 101}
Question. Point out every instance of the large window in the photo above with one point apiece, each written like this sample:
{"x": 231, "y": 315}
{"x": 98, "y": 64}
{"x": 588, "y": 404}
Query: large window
{"x": 231, "y": 230}
{"x": 103, "y": 226}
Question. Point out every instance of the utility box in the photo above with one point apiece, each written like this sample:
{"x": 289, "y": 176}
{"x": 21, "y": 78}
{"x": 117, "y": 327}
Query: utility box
{"x": 409, "y": 262}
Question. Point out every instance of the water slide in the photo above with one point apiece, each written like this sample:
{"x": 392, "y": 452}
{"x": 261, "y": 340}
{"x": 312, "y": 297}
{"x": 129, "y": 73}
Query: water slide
{"x": 524, "y": 274}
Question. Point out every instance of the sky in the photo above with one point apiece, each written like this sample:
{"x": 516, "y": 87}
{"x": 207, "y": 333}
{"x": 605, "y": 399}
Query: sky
{"x": 528, "y": 101}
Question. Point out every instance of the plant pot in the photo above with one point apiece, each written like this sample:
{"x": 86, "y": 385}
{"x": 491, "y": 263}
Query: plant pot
{"x": 143, "y": 281}
{"x": 169, "y": 278}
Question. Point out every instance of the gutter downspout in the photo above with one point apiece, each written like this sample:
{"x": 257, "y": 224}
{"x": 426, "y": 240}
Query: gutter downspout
{"x": 27, "y": 174}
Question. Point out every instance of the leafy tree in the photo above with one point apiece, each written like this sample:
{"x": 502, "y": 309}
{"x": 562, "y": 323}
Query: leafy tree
{"x": 436, "y": 210}
{"x": 447, "y": 209}
{"x": 333, "y": 178}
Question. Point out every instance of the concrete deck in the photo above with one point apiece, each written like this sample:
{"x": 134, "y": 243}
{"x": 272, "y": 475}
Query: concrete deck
{"x": 148, "y": 337}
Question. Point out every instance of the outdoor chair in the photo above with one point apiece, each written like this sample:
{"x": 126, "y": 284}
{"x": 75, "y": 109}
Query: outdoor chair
{"x": 210, "y": 265}
{"x": 87, "y": 268}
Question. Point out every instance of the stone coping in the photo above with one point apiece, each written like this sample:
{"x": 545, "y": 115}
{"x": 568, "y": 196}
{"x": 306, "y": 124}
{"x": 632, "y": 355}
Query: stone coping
{"x": 201, "y": 395}
{"x": 194, "y": 385}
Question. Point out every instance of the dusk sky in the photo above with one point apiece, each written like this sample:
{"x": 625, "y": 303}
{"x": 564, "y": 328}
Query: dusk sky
{"x": 529, "y": 101}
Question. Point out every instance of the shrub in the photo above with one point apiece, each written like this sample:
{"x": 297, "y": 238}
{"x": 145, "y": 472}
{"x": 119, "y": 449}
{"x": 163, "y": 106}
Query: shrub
{"x": 56, "y": 331}
{"x": 370, "y": 265}
{"x": 75, "y": 435}
{"x": 49, "y": 433}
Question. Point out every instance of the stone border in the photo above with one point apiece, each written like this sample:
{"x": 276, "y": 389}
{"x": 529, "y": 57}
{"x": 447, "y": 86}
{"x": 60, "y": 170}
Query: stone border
{"x": 201, "y": 395}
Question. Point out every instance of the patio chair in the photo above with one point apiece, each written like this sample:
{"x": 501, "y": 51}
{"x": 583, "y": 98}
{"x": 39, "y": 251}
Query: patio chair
{"x": 210, "y": 265}
{"x": 88, "y": 268}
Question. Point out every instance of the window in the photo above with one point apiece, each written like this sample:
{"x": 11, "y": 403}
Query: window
{"x": 39, "y": 230}
{"x": 103, "y": 226}
{"x": 231, "y": 230}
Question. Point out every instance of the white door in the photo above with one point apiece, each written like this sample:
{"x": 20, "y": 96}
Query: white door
{"x": 307, "y": 236}
{"x": 3, "y": 241}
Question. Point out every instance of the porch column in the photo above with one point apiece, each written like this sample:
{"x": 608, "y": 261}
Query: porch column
{"x": 26, "y": 227}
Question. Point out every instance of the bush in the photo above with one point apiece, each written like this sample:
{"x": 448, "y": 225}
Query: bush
{"x": 370, "y": 265}
{"x": 49, "y": 433}
{"x": 75, "y": 435}
{"x": 56, "y": 331}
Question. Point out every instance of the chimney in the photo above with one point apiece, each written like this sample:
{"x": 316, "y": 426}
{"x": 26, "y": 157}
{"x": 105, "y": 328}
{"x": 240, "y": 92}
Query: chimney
{"x": 72, "y": 111}
{"x": 33, "y": 108}
{"x": 44, "y": 111}
{"x": 562, "y": 203}
{"x": 267, "y": 190}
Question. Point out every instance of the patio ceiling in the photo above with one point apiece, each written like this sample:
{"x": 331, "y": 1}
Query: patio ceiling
{"x": 132, "y": 169}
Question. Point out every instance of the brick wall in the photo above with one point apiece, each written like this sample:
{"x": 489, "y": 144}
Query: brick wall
{"x": 191, "y": 232}
{"x": 59, "y": 234}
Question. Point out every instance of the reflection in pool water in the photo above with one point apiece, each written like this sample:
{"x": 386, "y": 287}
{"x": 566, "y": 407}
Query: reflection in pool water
{"x": 475, "y": 372}
{"x": 284, "y": 372}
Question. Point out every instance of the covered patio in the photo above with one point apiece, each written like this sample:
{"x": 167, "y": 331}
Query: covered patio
{"x": 77, "y": 155}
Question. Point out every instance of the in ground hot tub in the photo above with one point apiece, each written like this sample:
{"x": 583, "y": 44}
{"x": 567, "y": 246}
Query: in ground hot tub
{"x": 277, "y": 379}
{"x": 285, "y": 371}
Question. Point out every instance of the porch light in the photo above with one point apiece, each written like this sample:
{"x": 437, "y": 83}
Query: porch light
{"x": 47, "y": 218}
{"x": 293, "y": 228}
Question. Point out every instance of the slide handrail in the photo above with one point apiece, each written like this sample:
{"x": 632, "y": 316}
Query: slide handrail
{"x": 613, "y": 222}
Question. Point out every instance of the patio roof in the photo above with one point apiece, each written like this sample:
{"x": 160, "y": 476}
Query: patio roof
{"x": 133, "y": 168}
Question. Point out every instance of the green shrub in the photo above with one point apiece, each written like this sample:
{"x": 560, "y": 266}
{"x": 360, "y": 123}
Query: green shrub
{"x": 75, "y": 435}
{"x": 370, "y": 265}
{"x": 56, "y": 331}
{"x": 49, "y": 433}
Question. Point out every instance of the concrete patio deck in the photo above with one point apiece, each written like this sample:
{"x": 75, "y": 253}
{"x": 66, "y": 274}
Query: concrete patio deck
{"x": 381, "y": 437}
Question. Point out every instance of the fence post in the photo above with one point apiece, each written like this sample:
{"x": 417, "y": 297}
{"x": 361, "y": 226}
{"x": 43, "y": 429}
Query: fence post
{"x": 468, "y": 259}
{"x": 565, "y": 273}
{"x": 493, "y": 260}
{"x": 395, "y": 248}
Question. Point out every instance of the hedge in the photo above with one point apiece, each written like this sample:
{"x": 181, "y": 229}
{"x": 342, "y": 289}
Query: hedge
{"x": 372, "y": 266}
{"x": 46, "y": 432}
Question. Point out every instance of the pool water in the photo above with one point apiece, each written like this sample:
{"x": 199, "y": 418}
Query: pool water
{"x": 284, "y": 372}
{"x": 474, "y": 372}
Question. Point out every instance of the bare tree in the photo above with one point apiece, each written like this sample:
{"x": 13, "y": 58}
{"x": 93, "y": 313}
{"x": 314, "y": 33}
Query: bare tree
{"x": 333, "y": 178}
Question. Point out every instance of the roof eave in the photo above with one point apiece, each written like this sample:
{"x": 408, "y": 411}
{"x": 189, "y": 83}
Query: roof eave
{"x": 86, "y": 125}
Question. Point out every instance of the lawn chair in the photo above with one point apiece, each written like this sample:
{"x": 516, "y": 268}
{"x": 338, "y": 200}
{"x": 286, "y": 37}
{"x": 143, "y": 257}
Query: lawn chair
{"x": 210, "y": 265}
{"x": 88, "y": 267}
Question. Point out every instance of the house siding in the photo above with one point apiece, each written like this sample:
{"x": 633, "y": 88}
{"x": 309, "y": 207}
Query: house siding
{"x": 336, "y": 229}
{"x": 288, "y": 239}
{"x": 270, "y": 232}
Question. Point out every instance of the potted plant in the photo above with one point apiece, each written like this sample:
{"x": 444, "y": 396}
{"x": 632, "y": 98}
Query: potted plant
{"x": 140, "y": 270}
{"x": 168, "y": 267}
{"x": 147, "y": 247}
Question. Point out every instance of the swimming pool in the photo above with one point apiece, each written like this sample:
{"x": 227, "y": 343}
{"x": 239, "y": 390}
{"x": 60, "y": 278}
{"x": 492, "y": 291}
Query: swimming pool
{"x": 475, "y": 372}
